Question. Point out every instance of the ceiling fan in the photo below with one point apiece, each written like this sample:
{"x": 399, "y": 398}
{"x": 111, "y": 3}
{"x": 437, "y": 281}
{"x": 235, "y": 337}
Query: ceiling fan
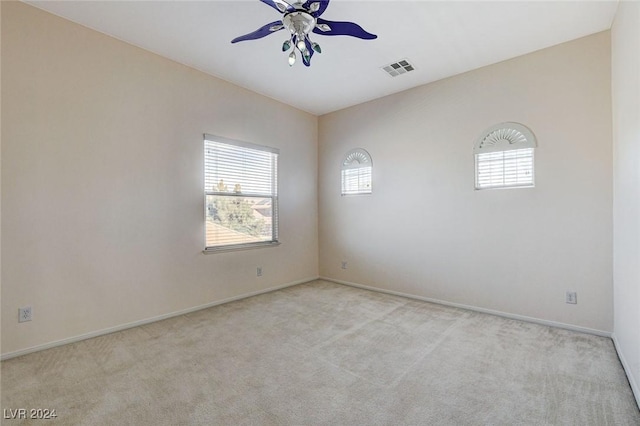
{"x": 302, "y": 18}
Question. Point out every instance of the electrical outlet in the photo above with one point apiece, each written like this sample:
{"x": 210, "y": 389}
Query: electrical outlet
{"x": 344, "y": 264}
{"x": 25, "y": 314}
{"x": 571, "y": 297}
{"x": 259, "y": 271}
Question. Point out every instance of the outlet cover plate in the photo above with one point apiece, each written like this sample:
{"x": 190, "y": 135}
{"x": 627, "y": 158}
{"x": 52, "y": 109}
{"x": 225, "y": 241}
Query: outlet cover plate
{"x": 571, "y": 297}
{"x": 25, "y": 314}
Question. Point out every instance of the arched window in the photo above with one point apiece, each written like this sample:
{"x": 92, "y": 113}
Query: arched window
{"x": 356, "y": 172}
{"x": 504, "y": 157}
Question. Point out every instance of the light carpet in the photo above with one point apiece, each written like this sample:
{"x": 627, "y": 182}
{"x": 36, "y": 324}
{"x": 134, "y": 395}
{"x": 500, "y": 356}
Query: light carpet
{"x": 324, "y": 353}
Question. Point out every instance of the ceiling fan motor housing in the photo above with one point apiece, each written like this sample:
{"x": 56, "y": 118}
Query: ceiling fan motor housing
{"x": 299, "y": 22}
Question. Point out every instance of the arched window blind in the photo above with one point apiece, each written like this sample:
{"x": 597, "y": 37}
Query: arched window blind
{"x": 356, "y": 172}
{"x": 504, "y": 157}
{"x": 241, "y": 191}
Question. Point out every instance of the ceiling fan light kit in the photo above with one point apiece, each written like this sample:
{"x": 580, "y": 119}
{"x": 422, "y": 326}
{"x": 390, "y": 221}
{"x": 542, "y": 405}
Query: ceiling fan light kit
{"x": 300, "y": 19}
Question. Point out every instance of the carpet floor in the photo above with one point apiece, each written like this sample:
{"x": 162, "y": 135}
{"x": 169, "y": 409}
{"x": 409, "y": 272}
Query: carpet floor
{"x": 327, "y": 354}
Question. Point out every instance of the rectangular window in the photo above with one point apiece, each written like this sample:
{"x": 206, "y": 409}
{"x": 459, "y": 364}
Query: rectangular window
{"x": 505, "y": 169}
{"x": 241, "y": 194}
{"x": 356, "y": 181}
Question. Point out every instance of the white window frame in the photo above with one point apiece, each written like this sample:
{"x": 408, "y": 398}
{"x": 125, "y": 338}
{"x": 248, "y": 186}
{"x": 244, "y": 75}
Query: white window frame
{"x": 356, "y": 173}
{"x": 504, "y": 157}
{"x": 272, "y": 193}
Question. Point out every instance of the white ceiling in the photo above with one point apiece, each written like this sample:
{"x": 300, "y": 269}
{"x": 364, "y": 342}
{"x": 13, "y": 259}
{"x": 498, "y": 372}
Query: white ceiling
{"x": 440, "y": 38}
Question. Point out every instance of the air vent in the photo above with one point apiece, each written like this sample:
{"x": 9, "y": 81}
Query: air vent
{"x": 397, "y": 68}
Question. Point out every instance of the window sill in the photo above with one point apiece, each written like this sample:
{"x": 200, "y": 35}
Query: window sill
{"x": 239, "y": 247}
{"x": 506, "y": 187}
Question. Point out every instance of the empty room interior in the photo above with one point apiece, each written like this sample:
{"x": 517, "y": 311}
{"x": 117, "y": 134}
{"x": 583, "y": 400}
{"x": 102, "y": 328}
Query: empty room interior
{"x": 384, "y": 213}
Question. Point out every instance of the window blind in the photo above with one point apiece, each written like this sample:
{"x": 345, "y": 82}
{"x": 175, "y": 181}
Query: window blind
{"x": 241, "y": 191}
{"x": 356, "y": 181}
{"x": 356, "y": 172}
{"x": 505, "y": 169}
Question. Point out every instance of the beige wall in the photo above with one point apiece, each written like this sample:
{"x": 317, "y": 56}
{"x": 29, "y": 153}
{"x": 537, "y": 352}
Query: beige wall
{"x": 0, "y": 179}
{"x": 426, "y": 232}
{"x": 625, "y": 58}
{"x": 102, "y": 193}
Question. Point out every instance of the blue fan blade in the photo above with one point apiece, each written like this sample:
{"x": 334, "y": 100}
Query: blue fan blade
{"x": 310, "y": 50}
{"x": 273, "y": 4}
{"x": 320, "y": 11}
{"x": 344, "y": 28}
{"x": 259, "y": 33}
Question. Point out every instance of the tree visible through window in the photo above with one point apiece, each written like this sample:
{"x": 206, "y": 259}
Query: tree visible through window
{"x": 241, "y": 194}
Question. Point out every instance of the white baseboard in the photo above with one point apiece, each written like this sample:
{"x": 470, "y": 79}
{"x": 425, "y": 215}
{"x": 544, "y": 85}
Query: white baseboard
{"x": 147, "y": 321}
{"x": 477, "y": 309}
{"x": 627, "y": 369}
